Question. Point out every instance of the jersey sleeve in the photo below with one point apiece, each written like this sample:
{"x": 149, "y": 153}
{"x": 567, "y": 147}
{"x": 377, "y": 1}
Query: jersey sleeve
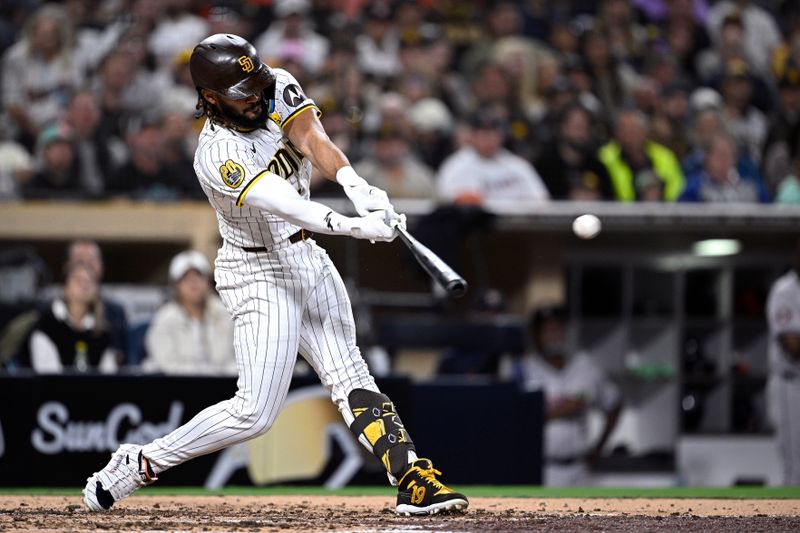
{"x": 228, "y": 167}
{"x": 289, "y": 99}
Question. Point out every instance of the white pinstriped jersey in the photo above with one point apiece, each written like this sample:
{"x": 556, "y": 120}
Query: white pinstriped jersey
{"x": 229, "y": 162}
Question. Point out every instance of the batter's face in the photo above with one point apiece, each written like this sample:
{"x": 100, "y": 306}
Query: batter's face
{"x": 250, "y": 112}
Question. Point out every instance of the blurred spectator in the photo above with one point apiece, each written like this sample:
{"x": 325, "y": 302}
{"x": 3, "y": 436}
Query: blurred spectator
{"x": 482, "y": 170}
{"x": 177, "y": 29}
{"x": 684, "y": 34}
{"x": 71, "y": 333}
{"x": 789, "y": 188}
{"x": 39, "y": 71}
{"x": 147, "y": 176}
{"x": 113, "y": 80}
{"x": 12, "y": 18}
{"x": 531, "y": 71}
{"x": 128, "y": 87}
{"x": 761, "y": 33}
{"x": 573, "y": 385}
{"x": 436, "y": 62}
{"x": 671, "y": 120}
{"x": 707, "y": 124}
{"x": 503, "y": 20}
{"x": 227, "y": 17}
{"x": 92, "y": 153}
{"x": 178, "y": 143}
{"x": 783, "y": 385}
{"x": 787, "y": 54}
{"x": 432, "y": 127}
{"x": 57, "y": 175}
{"x": 627, "y": 39}
{"x": 393, "y": 166}
{"x": 291, "y": 38}
{"x": 612, "y": 80}
{"x": 644, "y": 94}
{"x": 98, "y": 27}
{"x": 729, "y": 45}
{"x": 640, "y": 169}
{"x": 783, "y": 141}
{"x": 569, "y": 167}
{"x": 720, "y": 180}
{"x": 378, "y": 46}
{"x": 564, "y": 38}
{"x": 392, "y": 108}
{"x": 181, "y": 95}
{"x": 493, "y": 86}
{"x": 564, "y": 92}
{"x": 496, "y": 90}
{"x": 193, "y": 333}
{"x": 16, "y": 168}
{"x": 747, "y": 124}
{"x": 88, "y": 253}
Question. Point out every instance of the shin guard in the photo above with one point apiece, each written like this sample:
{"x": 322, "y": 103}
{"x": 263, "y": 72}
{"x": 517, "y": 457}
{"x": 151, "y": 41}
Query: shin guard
{"x": 377, "y": 421}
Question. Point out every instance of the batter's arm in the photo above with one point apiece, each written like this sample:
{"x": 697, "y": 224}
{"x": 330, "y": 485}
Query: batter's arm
{"x": 270, "y": 192}
{"x": 307, "y": 134}
{"x": 305, "y": 131}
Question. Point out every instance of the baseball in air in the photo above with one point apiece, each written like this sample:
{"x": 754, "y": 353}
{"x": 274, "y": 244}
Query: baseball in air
{"x": 586, "y": 226}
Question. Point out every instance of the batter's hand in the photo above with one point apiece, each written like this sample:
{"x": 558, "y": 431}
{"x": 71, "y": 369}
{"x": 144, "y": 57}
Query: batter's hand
{"x": 367, "y": 198}
{"x": 373, "y": 227}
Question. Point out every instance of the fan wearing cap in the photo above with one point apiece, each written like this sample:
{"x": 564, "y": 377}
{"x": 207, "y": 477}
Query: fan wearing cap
{"x": 747, "y": 124}
{"x": 482, "y": 170}
{"x": 57, "y": 175}
{"x": 192, "y": 333}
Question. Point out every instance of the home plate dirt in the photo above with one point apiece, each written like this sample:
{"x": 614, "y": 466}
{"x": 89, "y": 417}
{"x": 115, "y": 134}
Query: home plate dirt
{"x": 375, "y": 514}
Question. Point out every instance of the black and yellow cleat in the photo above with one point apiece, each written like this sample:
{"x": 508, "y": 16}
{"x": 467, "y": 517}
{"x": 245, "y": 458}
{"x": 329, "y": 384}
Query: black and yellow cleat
{"x": 419, "y": 492}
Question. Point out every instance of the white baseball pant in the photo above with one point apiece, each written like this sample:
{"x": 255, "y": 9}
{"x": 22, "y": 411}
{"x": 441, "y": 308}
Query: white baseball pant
{"x": 287, "y": 300}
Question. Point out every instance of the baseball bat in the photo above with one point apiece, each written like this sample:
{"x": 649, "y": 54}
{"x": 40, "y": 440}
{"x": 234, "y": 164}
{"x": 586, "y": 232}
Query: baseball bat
{"x": 453, "y": 284}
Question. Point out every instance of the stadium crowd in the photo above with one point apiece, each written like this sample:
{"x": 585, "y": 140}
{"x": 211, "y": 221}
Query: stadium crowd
{"x": 626, "y": 100}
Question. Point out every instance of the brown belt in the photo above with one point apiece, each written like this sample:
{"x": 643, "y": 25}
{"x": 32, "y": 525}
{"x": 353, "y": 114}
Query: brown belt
{"x": 296, "y": 237}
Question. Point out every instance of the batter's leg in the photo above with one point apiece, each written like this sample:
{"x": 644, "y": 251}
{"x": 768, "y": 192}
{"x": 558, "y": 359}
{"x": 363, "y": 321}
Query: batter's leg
{"x": 267, "y": 319}
{"x": 328, "y": 342}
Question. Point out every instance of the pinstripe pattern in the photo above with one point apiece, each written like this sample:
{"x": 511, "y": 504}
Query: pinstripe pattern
{"x": 287, "y": 300}
{"x": 290, "y": 299}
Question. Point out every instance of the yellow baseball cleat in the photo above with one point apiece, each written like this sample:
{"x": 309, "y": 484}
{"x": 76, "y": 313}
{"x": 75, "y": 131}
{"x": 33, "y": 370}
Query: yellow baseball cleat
{"x": 419, "y": 492}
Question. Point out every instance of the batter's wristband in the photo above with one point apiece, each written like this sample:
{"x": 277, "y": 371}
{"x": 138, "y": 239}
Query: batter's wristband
{"x": 347, "y": 177}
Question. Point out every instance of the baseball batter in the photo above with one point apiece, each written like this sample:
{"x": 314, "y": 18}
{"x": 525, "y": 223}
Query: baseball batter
{"x": 783, "y": 386}
{"x": 254, "y": 158}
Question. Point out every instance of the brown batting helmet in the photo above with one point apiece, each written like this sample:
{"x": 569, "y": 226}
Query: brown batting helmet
{"x": 229, "y": 65}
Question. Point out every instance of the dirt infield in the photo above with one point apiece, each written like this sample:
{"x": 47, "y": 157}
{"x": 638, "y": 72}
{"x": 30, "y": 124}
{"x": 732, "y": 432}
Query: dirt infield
{"x": 374, "y": 514}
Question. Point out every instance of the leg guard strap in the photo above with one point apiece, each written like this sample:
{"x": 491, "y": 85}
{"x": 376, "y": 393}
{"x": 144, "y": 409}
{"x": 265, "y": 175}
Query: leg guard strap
{"x": 377, "y": 421}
